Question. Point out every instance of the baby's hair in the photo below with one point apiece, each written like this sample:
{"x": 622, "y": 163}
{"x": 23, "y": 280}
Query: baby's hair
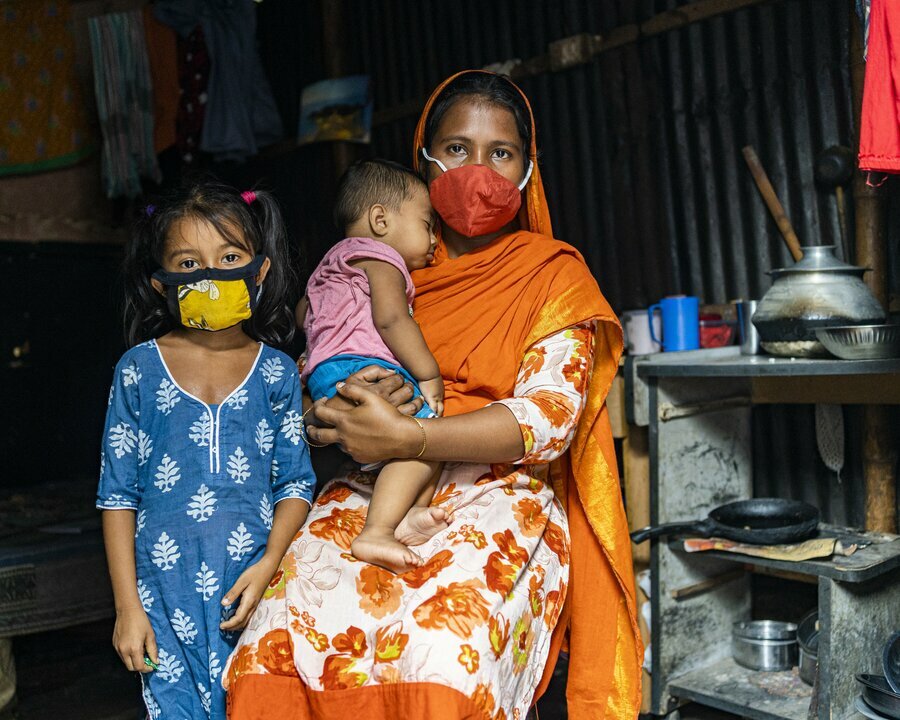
{"x": 251, "y": 220}
{"x": 370, "y": 182}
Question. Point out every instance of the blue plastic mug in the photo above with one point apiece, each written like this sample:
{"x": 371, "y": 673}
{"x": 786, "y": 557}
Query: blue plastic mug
{"x": 680, "y": 322}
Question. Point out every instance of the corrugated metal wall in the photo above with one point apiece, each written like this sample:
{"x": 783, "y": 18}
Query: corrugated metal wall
{"x": 641, "y": 147}
{"x": 641, "y": 150}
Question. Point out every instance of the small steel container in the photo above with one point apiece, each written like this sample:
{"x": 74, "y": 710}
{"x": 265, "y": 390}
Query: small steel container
{"x": 808, "y": 640}
{"x": 767, "y": 645}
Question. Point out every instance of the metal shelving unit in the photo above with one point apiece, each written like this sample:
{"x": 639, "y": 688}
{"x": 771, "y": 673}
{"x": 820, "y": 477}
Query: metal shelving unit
{"x": 697, "y": 406}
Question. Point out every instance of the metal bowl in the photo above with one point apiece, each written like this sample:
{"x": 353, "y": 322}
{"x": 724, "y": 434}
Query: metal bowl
{"x": 767, "y": 645}
{"x": 879, "y": 696}
{"x": 861, "y": 342}
{"x": 866, "y": 711}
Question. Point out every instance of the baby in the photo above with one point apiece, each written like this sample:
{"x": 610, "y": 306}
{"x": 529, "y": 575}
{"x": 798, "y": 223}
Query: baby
{"x": 357, "y": 312}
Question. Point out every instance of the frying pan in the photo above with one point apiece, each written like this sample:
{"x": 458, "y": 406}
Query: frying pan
{"x": 760, "y": 521}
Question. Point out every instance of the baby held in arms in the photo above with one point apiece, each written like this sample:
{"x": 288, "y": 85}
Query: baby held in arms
{"x": 357, "y": 312}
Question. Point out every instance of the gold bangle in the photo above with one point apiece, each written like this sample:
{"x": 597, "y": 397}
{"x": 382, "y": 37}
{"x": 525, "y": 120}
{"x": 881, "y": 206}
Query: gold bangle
{"x": 424, "y": 437}
{"x": 303, "y": 432}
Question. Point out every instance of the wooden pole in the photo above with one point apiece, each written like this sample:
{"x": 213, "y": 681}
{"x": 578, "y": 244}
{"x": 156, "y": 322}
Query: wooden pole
{"x": 879, "y": 445}
{"x": 336, "y": 65}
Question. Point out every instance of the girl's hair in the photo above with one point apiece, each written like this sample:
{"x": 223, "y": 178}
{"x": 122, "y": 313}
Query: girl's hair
{"x": 492, "y": 88}
{"x": 250, "y": 220}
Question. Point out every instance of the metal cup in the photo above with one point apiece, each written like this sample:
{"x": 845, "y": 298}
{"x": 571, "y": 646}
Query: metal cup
{"x": 749, "y": 335}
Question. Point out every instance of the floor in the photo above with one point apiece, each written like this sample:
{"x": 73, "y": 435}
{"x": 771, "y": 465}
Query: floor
{"x": 76, "y": 674}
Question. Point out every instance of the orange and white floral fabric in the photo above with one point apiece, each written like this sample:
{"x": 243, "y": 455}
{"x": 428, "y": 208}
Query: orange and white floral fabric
{"x": 465, "y": 636}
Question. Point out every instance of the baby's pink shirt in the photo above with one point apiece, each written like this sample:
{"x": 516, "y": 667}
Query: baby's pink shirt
{"x": 339, "y": 318}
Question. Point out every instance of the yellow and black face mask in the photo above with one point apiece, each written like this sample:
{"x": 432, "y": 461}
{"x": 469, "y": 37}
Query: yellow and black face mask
{"x": 212, "y": 299}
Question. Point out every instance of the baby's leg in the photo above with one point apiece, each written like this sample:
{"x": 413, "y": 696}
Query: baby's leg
{"x": 423, "y": 522}
{"x": 400, "y": 484}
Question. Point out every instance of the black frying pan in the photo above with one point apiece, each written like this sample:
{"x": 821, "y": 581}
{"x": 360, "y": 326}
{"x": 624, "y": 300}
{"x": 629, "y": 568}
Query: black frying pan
{"x": 761, "y": 521}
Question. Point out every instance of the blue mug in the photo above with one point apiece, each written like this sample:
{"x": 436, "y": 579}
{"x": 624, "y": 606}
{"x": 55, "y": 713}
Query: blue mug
{"x": 680, "y": 322}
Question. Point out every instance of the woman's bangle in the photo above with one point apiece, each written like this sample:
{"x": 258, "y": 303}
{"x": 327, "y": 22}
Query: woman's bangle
{"x": 424, "y": 437}
{"x": 303, "y": 432}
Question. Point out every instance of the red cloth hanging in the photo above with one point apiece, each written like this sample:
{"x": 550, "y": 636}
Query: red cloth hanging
{"x": 879, "y": 138}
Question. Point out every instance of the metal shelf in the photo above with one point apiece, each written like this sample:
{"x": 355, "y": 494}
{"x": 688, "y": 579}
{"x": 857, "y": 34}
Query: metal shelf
{"x": 727, "y": 686}
{"x": 728, "y": 362}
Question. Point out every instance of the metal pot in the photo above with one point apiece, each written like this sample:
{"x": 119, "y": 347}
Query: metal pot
{"x": 766, "y": 645}
{"x": 808, "y": 640}
{"x": 818, "y": 291}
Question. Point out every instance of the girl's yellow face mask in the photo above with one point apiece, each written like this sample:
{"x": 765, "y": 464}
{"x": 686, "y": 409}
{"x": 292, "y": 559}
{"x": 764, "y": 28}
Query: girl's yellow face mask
{"x": 212, "y": 299}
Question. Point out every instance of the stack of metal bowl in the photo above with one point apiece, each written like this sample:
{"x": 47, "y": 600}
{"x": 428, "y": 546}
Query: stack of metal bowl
{"x": 880, "y": 699}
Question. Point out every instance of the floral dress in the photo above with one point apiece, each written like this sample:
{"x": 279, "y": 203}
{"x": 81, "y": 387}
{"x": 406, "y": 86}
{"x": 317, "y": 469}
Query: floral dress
{"x": 478, "y": 616}
{"x": 203, "y": 481}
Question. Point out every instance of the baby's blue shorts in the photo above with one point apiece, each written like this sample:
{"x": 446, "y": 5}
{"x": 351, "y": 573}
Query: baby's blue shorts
{"x": 326, "y": 375}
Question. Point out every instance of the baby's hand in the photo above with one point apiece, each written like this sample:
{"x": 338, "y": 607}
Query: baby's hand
{"x": 433, "y": 392}
{"x": 249, "y": 587}
{"x": 133, "y": 639}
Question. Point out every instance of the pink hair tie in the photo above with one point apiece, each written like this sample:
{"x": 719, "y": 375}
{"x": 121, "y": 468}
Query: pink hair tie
{"x": 249, "y": 196}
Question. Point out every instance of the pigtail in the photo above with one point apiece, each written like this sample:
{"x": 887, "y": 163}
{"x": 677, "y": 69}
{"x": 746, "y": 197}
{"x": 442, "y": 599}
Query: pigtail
{"x": 145, "y": 314}
{"x": 273, "y": 320}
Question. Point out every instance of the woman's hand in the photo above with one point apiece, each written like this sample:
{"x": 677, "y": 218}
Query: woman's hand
{"x": 370, "y": 430}
{"x": 386, "y": 384}
{"x": 249, "y": 587}
{"x": 134, "y": 639}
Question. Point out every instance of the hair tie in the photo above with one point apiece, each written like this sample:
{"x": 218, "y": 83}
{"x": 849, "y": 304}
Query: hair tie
{"x": 150, "y": 209}
{"x": 249, "y": 196}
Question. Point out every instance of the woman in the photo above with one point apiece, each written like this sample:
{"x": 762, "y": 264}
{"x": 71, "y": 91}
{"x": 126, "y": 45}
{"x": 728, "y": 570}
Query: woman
{"x": 538, "y": 541}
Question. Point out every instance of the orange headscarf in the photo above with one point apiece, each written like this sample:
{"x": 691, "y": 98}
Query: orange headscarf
{"x": 480, "y": 313}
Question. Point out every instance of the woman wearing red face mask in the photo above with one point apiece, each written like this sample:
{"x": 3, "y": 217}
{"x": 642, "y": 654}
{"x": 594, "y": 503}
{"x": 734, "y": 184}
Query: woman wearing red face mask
{"x": 537, "y": 552}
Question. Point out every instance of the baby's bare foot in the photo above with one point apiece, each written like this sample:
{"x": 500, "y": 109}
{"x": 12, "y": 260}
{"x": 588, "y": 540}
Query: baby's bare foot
{"x": 378, "y": 546}
{"x": 421, "y": 524}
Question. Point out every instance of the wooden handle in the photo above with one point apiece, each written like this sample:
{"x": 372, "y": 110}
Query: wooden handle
{"x": 772, "y": 202}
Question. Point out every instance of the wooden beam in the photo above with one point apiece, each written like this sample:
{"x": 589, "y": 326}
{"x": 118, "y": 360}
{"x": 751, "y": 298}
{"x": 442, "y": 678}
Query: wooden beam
{"x": 847, "y": 390}
{"x": 588, "y": 49}
{"x": 880, "y": 446}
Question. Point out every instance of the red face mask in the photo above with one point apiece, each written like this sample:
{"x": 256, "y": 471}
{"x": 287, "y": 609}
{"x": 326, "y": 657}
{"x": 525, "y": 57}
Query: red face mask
{"x": 473, "y": 199}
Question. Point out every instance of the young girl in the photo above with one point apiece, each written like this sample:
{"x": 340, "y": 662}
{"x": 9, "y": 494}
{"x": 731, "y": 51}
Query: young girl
{"x": 357, "y": 312}
{"x": 204, "y": 478}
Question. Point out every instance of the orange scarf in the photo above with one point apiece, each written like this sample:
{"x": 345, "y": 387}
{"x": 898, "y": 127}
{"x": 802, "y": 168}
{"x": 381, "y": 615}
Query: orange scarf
{"x": 480, "y": 313}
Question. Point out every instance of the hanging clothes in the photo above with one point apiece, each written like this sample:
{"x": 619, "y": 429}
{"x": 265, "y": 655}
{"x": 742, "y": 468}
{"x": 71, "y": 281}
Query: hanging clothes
{"x": 193, "y": 78}
{"x": 879, "y": 138}
{"x": 240, "y": 114}
{"x": 124, "y": 93}
{"x": 162, "y": 50}
{"x": 45, "y": 125}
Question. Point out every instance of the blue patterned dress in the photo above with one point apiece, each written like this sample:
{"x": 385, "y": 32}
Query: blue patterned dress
{"x": 203, "y": 481}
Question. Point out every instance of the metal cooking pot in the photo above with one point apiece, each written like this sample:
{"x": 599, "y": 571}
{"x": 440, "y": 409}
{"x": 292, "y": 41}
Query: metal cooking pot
{"x": 808, "y": 640}
{"x": 818, "y": 291}
{"x": 766, "y": 645}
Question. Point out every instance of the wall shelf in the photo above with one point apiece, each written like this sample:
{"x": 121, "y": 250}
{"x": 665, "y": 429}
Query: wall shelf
{"x": 725, "y": 685}
{"x": 697, "y": 407}
{"x": 882, "y": 556}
